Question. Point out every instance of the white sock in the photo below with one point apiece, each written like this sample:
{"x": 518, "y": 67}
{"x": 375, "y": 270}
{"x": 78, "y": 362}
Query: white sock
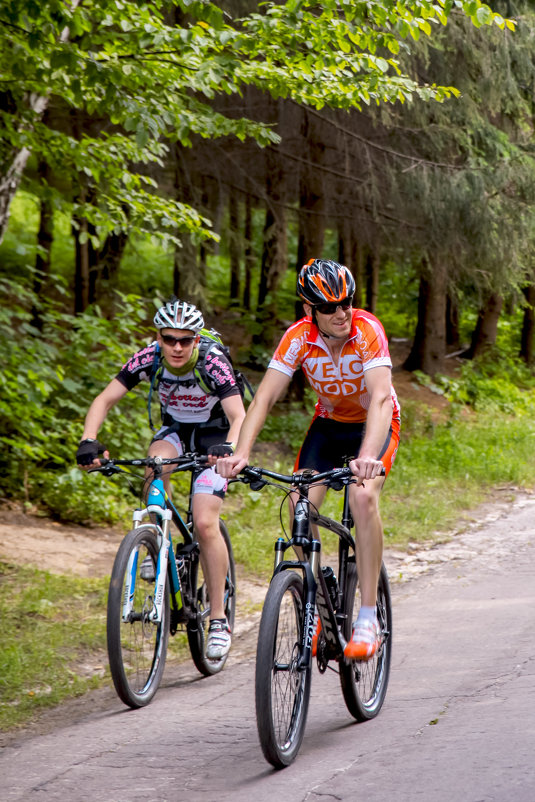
{"x": 367, "y": 614}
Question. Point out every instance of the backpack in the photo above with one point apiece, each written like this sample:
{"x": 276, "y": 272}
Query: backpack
{"x": 210, "y": 338}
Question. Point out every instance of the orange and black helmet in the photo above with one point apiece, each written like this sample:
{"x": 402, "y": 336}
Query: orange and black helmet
{"x": 324, "y": 281}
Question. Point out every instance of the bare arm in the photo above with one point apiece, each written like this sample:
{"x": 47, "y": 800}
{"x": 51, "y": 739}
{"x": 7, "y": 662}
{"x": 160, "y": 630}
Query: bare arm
{"x": 272, "y": 387}
{"x": 235, "y": 412}
{"x": 96, "y": 416}
{"x": 100, "y": 407}
{"x": 378, "y": 383}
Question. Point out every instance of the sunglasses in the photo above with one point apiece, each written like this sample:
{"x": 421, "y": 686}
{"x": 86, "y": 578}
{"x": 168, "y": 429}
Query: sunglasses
{"x": 183, "y": 342}
{"x": 330, "y": 309}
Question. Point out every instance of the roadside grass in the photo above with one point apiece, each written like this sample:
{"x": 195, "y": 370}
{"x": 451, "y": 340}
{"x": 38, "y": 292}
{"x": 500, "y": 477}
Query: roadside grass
{"x": 54, "y": 640}
{"x": 52, "y": 627}
{"x": 442, "y": 471}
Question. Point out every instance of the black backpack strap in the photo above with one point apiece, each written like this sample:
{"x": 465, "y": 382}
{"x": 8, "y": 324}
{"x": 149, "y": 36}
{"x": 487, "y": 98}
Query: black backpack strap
{"x": 199, "y": 371}
{"x": 154, "y": 376}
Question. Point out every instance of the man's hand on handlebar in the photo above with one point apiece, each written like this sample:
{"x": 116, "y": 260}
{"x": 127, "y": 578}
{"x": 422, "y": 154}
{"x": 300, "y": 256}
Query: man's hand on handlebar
{"x": 229, "y": 467}
{"x": 366, "y": 468}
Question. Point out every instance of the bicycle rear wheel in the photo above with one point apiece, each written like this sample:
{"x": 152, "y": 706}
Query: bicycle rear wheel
{"x": 197, "y": 628}
{"x": 282, "y": 691}
{"x": 137, "y": 647}
{"x": 364, "y": 684}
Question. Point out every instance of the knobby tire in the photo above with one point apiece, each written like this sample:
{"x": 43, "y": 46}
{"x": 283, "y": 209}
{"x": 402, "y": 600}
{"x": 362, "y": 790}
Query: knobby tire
{"x": 197, "y": 628}
{"x": 136, "y": 649}
{"x": 282, "y": 691}
{"x": 364, "y": 684}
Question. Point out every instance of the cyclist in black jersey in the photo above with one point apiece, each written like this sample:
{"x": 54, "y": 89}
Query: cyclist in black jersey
{"x": 193, "y": 419}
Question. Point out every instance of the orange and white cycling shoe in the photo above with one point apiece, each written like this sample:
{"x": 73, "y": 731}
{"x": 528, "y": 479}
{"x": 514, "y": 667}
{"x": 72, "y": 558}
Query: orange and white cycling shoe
{"x": 365, "y": 641}
{"x": 315, "y": 636}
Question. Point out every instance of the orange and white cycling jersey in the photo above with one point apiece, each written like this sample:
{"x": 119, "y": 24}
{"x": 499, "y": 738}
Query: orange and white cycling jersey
{"x": 341, "y": 388}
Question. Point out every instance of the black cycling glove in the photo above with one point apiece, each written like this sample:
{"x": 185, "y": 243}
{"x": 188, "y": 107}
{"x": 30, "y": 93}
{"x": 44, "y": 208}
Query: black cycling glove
{"x": 89, "y": 450}
{"x": 221, "y": 450}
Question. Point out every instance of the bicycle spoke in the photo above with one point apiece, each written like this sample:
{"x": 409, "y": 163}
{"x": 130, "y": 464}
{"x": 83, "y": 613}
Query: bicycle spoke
{"x": 282, "y": 689}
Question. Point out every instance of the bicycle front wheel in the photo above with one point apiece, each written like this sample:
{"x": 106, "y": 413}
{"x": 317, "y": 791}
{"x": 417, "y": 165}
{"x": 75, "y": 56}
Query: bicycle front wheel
{"x": 137, "y": 646}
{"x": 198, "y": 628}
{"x": 282, "y": 690}
{"x": 364, "y": 684}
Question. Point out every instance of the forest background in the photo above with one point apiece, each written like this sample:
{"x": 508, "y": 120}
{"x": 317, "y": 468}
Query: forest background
{"x": 210, "y": 149}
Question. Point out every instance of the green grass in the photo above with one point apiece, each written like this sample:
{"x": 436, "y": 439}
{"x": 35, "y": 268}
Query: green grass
{"x": 52, "y": 646}
{"x": 54, "y": 641}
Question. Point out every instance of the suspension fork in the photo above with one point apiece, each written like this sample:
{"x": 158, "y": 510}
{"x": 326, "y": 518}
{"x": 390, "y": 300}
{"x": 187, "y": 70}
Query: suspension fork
{"x": 302, "y": 538}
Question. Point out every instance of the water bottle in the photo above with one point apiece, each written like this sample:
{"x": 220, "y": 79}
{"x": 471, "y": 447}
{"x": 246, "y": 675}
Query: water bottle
{"x": 332, "y": 584}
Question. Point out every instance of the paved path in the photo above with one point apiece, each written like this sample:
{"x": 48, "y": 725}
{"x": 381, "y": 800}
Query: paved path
{"x": 458, "y": 722}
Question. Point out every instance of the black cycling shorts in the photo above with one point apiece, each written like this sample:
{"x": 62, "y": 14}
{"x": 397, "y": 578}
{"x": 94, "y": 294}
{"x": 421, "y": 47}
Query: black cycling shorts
{"x": 328, "y": 443}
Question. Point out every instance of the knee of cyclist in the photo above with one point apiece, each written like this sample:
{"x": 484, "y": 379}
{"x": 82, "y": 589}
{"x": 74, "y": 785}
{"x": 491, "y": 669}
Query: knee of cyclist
{"x": 365, "y": 501}
{"x": 206, "y": 528}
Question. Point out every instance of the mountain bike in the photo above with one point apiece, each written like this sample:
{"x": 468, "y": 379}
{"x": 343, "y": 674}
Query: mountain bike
{"x": 157, "y": 586}
{"x": 297, "y": 588}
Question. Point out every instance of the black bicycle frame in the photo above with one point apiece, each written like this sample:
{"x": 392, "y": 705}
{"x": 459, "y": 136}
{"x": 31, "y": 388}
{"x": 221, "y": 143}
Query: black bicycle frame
{"x": 317, "y": 594}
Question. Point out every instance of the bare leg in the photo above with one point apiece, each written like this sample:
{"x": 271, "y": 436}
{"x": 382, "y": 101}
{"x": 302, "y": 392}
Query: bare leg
{"x": 162, "y": 448}
{"x": 214, "y": 555}
{"x": 364, "y": 503}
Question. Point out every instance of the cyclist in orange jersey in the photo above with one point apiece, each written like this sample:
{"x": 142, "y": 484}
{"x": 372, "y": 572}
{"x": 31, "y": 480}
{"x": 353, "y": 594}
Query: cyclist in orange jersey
{"x": 344, "y": 355}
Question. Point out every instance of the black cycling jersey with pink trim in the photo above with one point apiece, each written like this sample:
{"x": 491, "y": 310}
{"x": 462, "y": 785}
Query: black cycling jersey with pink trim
{"x": 182, "y": 397}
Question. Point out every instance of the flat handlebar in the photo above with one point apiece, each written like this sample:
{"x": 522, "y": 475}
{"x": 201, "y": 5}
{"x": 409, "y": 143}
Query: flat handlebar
{"x": 183, "y": 463}
{"x": 336, "y": 478}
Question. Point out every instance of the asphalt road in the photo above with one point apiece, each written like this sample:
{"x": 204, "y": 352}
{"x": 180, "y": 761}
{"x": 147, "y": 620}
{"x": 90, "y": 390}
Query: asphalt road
{"x": 458, "y": 722}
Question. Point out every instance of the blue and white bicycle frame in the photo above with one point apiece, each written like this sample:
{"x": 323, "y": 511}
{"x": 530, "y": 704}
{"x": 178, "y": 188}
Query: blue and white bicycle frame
{"x": 159, "y": 505}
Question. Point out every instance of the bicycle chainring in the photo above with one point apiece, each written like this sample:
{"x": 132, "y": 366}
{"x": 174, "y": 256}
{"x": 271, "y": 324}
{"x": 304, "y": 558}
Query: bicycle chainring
{"x": 322, "y": 654}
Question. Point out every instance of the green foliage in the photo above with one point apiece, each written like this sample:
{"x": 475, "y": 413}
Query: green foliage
{"x": 397, "y": 305}
{"x": 54, "y": 625}
{"x": 133, "y": 83}
{"x": 494, "y": 381}
{"x": 442, "y": 474}
{"x": 290, "y": 425}
{"x": 49, "y": 378}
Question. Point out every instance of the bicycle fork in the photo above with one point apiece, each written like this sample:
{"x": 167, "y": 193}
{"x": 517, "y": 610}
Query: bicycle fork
{"x": 163, "y": 562}
{"x": 316, "y": 592}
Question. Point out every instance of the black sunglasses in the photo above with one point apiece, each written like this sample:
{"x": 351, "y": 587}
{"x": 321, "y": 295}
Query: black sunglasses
{"x": 330, "y": 309}
{"x": 183, "y": 342}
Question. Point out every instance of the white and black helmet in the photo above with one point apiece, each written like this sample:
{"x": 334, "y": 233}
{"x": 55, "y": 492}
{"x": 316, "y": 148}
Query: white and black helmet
{"x": 179, "y": 315}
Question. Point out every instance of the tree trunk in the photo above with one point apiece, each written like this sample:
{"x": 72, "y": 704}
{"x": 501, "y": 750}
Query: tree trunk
{"x": 234, "y": 248}
{"x": 486, "y": 328}
{"x": 44, "y": 235}
{"x": 81, "y": 270}
{"x": 273, "y": 264}
{"x": 357, "y": 268}
{"x": 528, "y": 325}
{"x": 110, "y": 255}
{"x": 311, "y": 202}
{"x": 429, "y": 344}
{"x": 372, "y": 281}
{"x": 452, "y": 324}
{"x": 273, "y": 258}
{"x": 249, "y": 252}
{"x": 187, "y": 278}
{"x": 12, "y": 173}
